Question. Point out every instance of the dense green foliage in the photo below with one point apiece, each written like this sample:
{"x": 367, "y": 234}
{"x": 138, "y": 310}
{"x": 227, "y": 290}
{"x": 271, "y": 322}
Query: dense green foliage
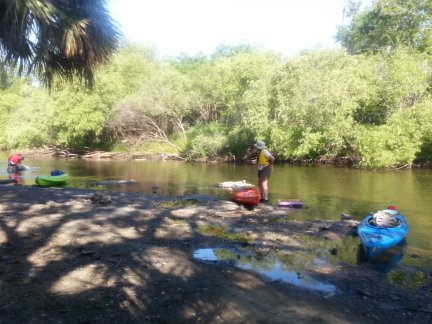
{"x": 374, "y": 108}
{"x": 388, "y": 24}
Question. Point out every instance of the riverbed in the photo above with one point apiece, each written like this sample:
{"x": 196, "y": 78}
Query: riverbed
{"x": 327, "y": 191}
{"x": 81, "y": 256}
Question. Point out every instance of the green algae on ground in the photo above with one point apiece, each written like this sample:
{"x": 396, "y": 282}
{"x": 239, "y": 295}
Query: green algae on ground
{"x": 410, "y": 281}
{"x": 177, "y": 221}
{"x": 222, "y": 232}
{"x": 177, "y": 203}
{"x": 335, "y": 251}
{"x": 278, "y": 220}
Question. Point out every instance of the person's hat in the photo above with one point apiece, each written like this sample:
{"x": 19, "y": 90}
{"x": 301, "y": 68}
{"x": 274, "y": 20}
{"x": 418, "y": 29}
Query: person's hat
{"x": 260, "y": 145}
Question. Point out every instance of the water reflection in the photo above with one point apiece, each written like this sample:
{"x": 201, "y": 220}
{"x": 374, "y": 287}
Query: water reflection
{"x": 205, "y": 255}
{"x": 289, "y": 269}
{"x": 385, "y": 261}
{"x": 292, "y": 268}
{"x": 349, "y": 250}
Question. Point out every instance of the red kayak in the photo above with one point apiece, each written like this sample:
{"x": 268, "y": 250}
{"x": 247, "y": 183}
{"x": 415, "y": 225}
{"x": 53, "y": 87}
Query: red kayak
{"x": 246, "y": 196}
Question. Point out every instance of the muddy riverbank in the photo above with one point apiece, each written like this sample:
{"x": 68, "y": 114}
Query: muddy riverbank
{"x": 81, "y": 256}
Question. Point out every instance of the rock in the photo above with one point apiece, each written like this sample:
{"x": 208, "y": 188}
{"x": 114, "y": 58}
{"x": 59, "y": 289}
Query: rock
{"x": 330, "y": 295}
{"x": 100, "y": 198}
{"x": 86, "y": 252}
{"x": 345, "y": 216}
{"x": 116, "y": 182}
{"x": 324, "y": 227}
{"x": 235, "y": 184}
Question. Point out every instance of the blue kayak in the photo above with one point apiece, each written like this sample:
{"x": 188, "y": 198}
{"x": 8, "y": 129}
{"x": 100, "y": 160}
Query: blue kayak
{"x": 376, "y": 239}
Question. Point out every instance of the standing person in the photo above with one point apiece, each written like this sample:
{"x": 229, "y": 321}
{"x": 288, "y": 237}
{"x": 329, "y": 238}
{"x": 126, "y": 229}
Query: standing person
{"x": 14, "y": 163}
{"x": 265, "y": 160}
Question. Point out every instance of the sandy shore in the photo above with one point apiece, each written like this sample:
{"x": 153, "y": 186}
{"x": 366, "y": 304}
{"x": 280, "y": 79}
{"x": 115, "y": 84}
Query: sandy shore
{"x": 81, "y": 256}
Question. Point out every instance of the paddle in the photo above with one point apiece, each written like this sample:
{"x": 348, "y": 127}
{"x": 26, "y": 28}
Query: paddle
{"x": 7, "y": 181}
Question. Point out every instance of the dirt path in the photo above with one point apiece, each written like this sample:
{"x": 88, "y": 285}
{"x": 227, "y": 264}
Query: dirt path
{"x": 72, "y": 256}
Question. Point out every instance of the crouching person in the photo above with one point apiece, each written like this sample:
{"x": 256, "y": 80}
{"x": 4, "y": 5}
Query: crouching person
{"x": 15, "y": 163}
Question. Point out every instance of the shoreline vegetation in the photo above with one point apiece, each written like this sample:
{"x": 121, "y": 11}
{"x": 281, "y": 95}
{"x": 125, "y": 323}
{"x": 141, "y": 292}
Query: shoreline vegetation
{"x": 366, "y": 104}
{"x": 97, "y": 154}
{"x": 74, "y": 255}
{"x": 371, "y": 111}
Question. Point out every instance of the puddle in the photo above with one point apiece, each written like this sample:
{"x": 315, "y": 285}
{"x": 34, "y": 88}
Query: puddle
{"x": 288, "y": 269}
{"x": 318, "y": 253}
{"x": 205, "y": 255}
{"x": 350, "y": 251}
{"x": 294, "y": 278}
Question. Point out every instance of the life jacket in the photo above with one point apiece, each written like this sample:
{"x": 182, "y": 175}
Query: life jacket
{"x": 262, "y": 159}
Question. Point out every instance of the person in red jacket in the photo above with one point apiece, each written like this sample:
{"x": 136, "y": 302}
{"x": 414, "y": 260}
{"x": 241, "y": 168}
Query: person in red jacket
{"x": 14, "y": 163}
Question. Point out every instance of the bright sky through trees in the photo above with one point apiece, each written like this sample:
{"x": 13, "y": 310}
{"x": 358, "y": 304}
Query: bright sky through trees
{"x": 193, "y": 26}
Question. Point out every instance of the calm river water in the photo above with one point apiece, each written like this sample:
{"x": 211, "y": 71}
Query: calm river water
{"x": 328, "y": 191}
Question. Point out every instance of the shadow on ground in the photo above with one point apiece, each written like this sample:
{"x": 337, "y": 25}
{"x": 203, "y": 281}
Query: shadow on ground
{"x": 66, "y": 259}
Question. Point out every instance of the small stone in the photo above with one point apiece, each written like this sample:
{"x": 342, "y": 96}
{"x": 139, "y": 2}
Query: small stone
{"x": 330, "y": 295}
{"x": 345, "y": 216}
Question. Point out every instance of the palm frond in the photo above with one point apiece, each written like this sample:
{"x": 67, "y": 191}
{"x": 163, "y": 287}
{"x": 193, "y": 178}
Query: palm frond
{"x": 57, "y": 39}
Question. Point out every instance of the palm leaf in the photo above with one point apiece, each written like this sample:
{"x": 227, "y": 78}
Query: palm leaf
{"x": 60, "y": 39}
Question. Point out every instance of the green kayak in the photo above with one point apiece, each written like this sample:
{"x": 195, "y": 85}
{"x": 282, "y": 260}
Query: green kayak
{"x": 57, "y": 180}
